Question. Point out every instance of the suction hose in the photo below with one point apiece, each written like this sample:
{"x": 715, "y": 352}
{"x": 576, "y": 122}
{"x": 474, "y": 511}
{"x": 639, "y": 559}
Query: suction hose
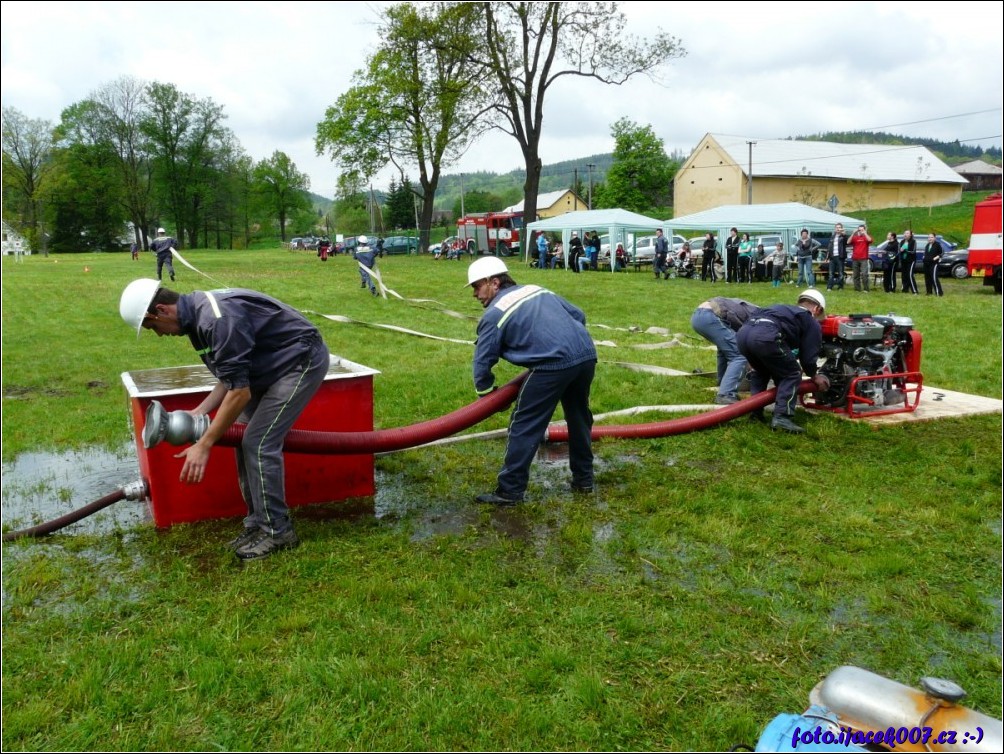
{"x": 559, "y": 432}
{"x": 133, "y": 491}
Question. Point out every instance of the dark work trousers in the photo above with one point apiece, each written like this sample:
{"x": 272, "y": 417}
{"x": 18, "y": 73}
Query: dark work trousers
{"x": 770, "y": 358}
{"x": 269, "y": 416}
{"x": 931, "y": 282}
{"x": 538, "y": 397}
{"x": 164, "y": 260}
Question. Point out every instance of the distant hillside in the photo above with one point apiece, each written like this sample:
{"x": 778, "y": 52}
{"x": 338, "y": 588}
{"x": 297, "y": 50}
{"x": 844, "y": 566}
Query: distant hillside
{"x": 554, "y": 177}
{"x": 318, "y": 202}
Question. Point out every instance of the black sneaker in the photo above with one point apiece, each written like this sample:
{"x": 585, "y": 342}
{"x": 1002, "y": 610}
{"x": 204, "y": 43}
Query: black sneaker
{"x": 266, "y": 544}
{"x": 785, "y": 424}
{"x": 758, "y": 416}
{"x": 725, "y": 400}
{"x": 585, "y": 489}
{"x": 493, "y": 498}
{"x": 243, "y": 538}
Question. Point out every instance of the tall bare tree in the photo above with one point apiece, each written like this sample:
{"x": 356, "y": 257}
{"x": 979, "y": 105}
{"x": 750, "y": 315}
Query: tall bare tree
{"x": 528, "y": 46}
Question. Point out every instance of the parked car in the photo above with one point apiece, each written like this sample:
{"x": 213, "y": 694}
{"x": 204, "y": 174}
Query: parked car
{"x": 954, "y": 263}
{"x": 644, "y": 248}
{"x": 876, "y": 254}
{"x": 400, "y": 245}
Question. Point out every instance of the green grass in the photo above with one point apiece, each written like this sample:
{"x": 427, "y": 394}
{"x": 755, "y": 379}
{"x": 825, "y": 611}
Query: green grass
{"x": 712, "y": 581}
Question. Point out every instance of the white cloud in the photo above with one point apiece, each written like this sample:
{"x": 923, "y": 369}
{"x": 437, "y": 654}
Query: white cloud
{"x": 765, "y": 70}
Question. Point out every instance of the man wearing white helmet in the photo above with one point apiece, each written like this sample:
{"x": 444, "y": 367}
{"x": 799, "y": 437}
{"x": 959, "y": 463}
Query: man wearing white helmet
{"x": 367, "y": 261}
{"x": 163, "y": 246}
{"x": 269, "y": 361}
{"x": 769, "y": 339}
{"x": 532, "y": 327}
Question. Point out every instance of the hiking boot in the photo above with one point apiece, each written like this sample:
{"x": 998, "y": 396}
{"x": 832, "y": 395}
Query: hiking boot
{"x": 785, "y": 424}
{"x": 265, "y": 544}
{"x": 249, "y": 534}
{"x": 725, "y": 400}
{"x": 583, "y": 489}
{"x": 493, "y": 498}
{"x": 758, "y": 416}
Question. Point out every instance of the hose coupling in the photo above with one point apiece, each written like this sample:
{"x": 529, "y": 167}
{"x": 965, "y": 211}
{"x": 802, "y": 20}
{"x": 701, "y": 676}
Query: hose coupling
{"x": 137, "y": 490}
{"x": 177, "y": 427}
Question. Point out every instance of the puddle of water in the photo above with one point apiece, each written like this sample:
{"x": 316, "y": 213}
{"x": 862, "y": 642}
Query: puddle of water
{"x": 40, "y": 486}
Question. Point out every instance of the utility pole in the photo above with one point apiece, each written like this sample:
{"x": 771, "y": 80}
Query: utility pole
{"x": 590, "y": 165}
{"x": 749, "y": 175}
{"x": 575, "y": 187}
{"x": 462, "y": 212}
{"x": 371, "y": 208}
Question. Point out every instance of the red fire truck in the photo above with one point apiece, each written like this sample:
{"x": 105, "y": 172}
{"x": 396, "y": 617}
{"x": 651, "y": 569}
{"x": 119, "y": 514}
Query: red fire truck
{"x": 497, "y": 233}
{"x": 985, "y": 243}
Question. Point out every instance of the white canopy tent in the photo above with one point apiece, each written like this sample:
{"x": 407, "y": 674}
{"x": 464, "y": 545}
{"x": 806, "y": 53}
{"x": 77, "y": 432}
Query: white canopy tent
{"x": 617, "y": 222}
{"x": 786, "y": 219}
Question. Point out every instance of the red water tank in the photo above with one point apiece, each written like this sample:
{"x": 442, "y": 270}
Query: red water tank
{"x": 343, "y": 403}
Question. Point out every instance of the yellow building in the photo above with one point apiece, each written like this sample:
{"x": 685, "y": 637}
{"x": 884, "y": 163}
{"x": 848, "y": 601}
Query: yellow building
{"x": 553, "y": 204}
{"x": 840, "y": 177}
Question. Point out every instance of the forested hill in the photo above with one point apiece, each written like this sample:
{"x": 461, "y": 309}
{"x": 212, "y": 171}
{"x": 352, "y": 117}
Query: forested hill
{"x": 952, "y": 152}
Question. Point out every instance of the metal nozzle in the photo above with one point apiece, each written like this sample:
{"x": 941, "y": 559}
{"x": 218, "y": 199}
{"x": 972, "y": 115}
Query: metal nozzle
{"x": 177, "y": 427}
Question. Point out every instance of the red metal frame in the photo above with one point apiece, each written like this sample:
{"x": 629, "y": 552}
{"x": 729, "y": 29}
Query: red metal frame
{"x": 910, "y": 383}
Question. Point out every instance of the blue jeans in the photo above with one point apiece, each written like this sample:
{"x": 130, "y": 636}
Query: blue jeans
{"x": 805, "y": 273}
{"x": 731, "y": 363}
{"x": 269, "y": 416}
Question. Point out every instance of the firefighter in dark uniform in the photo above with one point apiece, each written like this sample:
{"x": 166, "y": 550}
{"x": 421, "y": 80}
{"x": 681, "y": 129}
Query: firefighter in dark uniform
{"x": 269, "y": 361}
{"x": 532, "y": 327}
{"x": 768, "y": 340}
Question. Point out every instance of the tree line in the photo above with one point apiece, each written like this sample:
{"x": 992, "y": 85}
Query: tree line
{"x": 134, "y": 156}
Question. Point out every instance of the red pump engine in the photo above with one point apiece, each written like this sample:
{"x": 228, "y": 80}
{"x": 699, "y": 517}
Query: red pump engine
{"x": 872, "y": 363}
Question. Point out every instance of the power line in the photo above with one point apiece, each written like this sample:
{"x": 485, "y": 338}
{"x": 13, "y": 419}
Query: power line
{"x": 934, "y": 120}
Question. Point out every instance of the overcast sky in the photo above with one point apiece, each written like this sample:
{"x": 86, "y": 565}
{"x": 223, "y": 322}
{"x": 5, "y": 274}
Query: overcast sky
{"x": 761, "y": 70}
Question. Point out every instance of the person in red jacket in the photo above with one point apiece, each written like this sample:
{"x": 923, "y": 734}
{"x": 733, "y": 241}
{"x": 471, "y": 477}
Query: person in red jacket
{"x": 860, "y": 242}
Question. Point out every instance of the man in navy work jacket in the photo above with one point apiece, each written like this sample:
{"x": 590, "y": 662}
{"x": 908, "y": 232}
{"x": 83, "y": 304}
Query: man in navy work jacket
{"x": 532, "y": 327}
{"x": 769, "y": 340}
{"x": 269, "y": 360}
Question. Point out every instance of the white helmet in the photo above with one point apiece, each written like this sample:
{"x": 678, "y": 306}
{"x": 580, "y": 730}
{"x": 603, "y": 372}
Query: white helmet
{"x": 135, "y": 301}
{"x": 161, "y": 231}
{"x": 815, "y": 296}
{"x": 363, "y": 240}
{"x": 485, "y": 267}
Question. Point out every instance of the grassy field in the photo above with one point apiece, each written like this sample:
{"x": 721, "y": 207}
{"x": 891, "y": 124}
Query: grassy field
{"x": 710, "y": 582}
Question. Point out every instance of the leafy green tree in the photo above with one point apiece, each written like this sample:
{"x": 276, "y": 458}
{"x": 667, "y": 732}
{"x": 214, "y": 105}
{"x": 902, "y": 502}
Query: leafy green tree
{"x": 416, "y": 103}
{"x": 527, "y": 47}
{"x": 27, "y": 149}
{"x": 282, "y": 188}
{"x": 641, "y": 175}
{"x": 184, "y": 133}
{"x": 84, "y": 193}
